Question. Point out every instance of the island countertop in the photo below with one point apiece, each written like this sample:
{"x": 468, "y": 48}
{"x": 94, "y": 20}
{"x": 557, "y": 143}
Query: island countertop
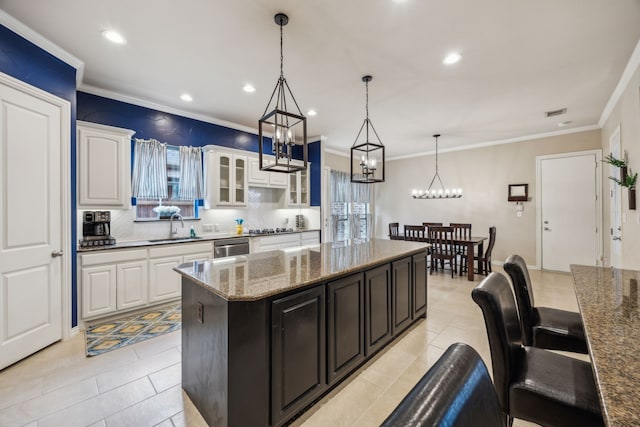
{"x": 609, "y": 304}
{"x": 261, "y": 275}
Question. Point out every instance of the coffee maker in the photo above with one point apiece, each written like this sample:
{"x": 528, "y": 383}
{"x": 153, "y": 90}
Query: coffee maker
{"x": 96, "y": 229}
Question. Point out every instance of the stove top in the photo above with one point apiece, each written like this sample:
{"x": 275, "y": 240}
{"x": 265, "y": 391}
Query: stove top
{"x": 271, "y": 231}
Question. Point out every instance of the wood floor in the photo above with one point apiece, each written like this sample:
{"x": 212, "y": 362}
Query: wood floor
{"x": 139, "y": 385}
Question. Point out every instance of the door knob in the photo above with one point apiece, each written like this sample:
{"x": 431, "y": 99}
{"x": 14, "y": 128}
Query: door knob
{"x": 55, "y": 254}
{"x": 546, "y": 222}
{"x": 547, "y": 229}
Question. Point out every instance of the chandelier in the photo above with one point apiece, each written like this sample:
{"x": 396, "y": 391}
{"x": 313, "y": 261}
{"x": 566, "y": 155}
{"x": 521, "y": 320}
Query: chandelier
{"x": 288, "y": 127}
{"x": 367, "y": 158}
{"x": 440, "y": 193}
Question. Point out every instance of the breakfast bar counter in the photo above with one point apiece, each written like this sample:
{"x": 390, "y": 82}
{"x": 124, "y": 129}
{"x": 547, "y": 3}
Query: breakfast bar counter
{"x": 609, "y": 303}
{"x": 266, "y": 335}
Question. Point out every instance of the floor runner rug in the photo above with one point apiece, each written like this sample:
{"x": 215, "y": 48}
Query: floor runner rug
{"x": 106, "y": 336}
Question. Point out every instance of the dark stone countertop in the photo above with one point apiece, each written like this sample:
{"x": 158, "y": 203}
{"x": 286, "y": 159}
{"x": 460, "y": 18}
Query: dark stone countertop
{"x": 610, "y": 308}
{"x": 261, "y": 275}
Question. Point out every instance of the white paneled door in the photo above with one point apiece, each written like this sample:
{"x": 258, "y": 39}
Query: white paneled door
{"x": 615, "y": 204}
{"x": 569, "y": 210}
{"x": 31, "y": 130}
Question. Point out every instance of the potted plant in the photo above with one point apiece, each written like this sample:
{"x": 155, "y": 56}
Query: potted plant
{"x": 618, "y": 163}
{"x": 630, "y": 182}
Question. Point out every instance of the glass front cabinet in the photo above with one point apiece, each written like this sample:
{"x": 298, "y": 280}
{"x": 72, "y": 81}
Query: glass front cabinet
{"x": 298, "y": 188}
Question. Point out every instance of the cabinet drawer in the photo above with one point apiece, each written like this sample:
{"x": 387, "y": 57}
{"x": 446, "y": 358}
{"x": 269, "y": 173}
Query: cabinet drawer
{"x": 110, "y": 257}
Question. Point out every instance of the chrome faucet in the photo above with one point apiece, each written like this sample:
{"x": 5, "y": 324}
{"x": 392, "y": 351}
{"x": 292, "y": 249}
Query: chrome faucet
{"x": 172, "y": 231}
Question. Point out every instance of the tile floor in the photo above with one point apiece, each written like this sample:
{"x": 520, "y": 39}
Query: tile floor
{"x": 139, "y": 385}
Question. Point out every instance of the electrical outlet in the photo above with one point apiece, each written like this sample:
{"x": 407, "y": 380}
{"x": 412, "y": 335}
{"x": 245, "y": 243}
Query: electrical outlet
{"x": 200, "y": 312}
{"x": 207, "y": 228}
{"x": 216, "y": 227}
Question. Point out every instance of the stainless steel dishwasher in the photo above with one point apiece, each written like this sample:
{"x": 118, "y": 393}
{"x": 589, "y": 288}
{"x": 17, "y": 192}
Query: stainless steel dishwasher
{"x": 230, "y": 247}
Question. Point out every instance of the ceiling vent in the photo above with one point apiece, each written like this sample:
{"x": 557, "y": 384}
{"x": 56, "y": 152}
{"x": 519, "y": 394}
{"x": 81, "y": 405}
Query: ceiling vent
{"x": 555, "y": 112}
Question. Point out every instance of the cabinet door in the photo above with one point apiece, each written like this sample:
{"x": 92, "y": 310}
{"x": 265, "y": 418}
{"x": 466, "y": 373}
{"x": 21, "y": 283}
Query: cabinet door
{"x": 297, "y": 352}
{"x": 401, "y": 297}
{"x": 164, "y": 283}
{"x": 224, "y": 180}
{"x": 303, "y": 198}
{"x": 278, "y": 180}
{"x": 239, "y": 181}
{"x": 377, "y": 308}
{"x": 256, "y": 176}
{"x": 345, "y": 308}
{"x": 420, "y": 285}
{"x": 131, "y": 284}
{"x": 104, "y": 166}
{"x": 98, "y": 290}
{"x": 292, "y": 191}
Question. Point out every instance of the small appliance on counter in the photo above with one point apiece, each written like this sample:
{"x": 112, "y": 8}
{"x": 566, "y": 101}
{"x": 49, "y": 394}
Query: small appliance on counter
{"x": 96, "y": 229}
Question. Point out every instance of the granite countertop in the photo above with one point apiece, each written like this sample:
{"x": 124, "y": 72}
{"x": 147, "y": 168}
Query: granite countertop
{"x": 159, "y": 241}
{"x": 257, "y": 276}
{"x": 609, "y": 304}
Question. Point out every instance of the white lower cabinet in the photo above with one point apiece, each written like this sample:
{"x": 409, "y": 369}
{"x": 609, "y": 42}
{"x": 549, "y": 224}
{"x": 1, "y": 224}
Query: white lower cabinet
{"x": 164, "y": 283}
{"x": 283, "y": 241}
{"x": 114, "y": 281}
{"x": 131, "y": 284}
{"x": 98, "y": 290}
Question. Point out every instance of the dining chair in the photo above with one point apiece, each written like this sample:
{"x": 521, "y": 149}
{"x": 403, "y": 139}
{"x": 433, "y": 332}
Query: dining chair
{"x": 533, "y": 384}
{"x": 415, "y": 233}
{"x": 461, "y": 231}
{"x": 394, "y": 231}
{"x": 442, "y": 248}
{"x": 456, "y": 391}
{"x": 543, "y": 327}
{"x": 432, "y": 224}
{"x": 484, "y": 262}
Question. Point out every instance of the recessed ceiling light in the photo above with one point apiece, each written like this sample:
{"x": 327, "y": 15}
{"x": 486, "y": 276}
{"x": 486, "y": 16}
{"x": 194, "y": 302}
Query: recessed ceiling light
{"x": 452, "y": 58}
{"x": 114, "y": 37}
{"x": 186, "y": 97}
{"x": 312, "y": 113}
{"x": 248, "y": 88}
{"x": 563, "y": 124}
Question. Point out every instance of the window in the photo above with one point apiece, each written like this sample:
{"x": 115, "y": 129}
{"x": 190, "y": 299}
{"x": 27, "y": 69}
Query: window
{"x": 188, "y": 208}
{"x": 350, "y": 208}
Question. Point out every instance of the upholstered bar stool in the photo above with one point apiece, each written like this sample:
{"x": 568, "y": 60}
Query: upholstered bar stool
{"x": 533, "y": 384}
{"x": 543, "y": 327}
{"x": 457, "y": 391}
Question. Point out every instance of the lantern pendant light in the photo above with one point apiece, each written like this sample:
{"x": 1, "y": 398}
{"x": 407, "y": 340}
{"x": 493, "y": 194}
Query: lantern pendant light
{"x": 367, "y": 158}
{"x": 442, "y": 192}
{"x": 288, "y": 127}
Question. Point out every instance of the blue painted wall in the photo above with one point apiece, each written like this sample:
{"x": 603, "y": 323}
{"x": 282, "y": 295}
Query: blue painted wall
{"x": 25, "y": 61}
{"x": 178, "y": 130}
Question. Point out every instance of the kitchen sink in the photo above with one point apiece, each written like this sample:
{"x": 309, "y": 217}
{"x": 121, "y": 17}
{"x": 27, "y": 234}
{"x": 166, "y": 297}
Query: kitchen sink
{"x": 173, "y": 239}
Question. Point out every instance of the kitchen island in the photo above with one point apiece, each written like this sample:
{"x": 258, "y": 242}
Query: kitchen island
{"x": 266, "y": 335}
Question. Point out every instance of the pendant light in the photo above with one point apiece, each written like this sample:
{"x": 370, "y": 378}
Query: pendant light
{"x": 367, "y": 158}
{"x": 440, "y": 193}
{"x": 288, "y": 127}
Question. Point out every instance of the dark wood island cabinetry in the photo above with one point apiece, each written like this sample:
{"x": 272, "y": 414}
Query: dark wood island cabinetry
{"x": 266, "y": 335}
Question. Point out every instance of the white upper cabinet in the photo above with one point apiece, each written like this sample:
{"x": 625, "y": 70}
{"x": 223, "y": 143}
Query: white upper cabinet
{"x": 298, "y": 189}
{"x": 260, "y": 178}
{"x": 104, "y": 166}
{"x": 226, "y": 179}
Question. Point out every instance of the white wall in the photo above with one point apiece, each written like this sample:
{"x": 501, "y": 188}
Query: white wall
{"x": 626, "y": 114}
{"x": 484, "y": 175}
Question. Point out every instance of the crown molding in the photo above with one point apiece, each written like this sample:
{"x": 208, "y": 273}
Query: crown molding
{"x": 500, "y": 142}
{"x": 36, "y": 38}
{"x": 627, "y": 74}
{"x": 148, "y": 104}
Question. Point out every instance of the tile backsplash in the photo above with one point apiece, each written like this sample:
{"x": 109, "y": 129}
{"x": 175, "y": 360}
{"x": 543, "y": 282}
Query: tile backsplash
{"x": 263, "y": 211}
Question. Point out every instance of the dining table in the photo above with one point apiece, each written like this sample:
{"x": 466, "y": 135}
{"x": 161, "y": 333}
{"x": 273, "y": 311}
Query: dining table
{"x": 469, "y": 243}
{"x": 609, "y": 304}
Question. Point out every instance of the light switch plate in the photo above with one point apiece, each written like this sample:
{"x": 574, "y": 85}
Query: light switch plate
{"x": 207, "y": 228}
